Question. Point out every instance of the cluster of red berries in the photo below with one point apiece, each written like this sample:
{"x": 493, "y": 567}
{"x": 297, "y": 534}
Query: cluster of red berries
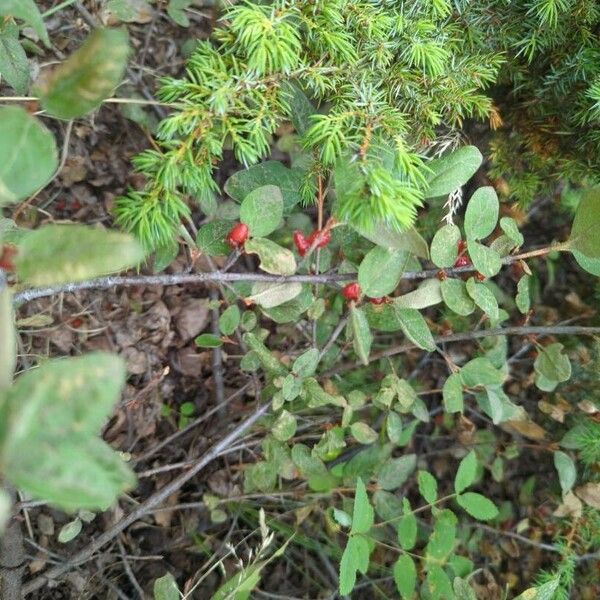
{"x": 303, "y": 244}
{"x": 351, "y": 292}
{"x": 238, "y": 235}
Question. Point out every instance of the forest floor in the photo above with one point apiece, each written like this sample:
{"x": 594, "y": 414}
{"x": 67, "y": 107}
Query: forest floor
{"x": 179, "y": 401}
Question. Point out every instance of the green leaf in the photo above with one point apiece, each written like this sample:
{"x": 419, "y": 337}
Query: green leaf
{"x": 395, "y": 471}
{"x": 484, "y": 298}
{"x": 25, "y": 171}
{"x": 70, "y": 531}
{"x": 467, "y": 470}
{"x": 452, "y": 171}
{"x": 439, "y": 583}
{"x": 485, "y": 260}
{"x": 511, "y": 229}
{"x": 273, "y": 258}
{"x": 208, "y": 340}
{"x": 284, "y": 427}
{"x": 229, "y": 320}
{"x": 62, "y": 253}
{"x": 586, "y": 225}
{"x": 14, "y": 67}
{"x": 8, "y": 337}
{"x": 452, "y": 393}
{"x": 165, "y": 588}
{"x": 481, "y": 215}
{"x": 523, "y": 299}
{"x": 405, "y": 576}
{"x": 301, "y": 108}
{"x": 270, "y": 172}
{"x": 393, "y": 425}
{"x": 363, "y": 433}
{"x": 271, "y": 295}
{"x": 380, "y": 271}
{"x": 306, "y": 364}
{"x": 27, "y": 11}
{"x": 211, "y": 238}
{"x": 361, "y": 334}
{"x": 444, "y": 246}
{"x": 462, "y": 590}
{"x": 427, "y": 486}
{"x": 362, "y": 516}
{"x": 443, "y": 538}
{"x": 454, "y": 293}
{"x": 130, "y": 11}
{"x": 480, "y": 371}
{"x": 88, "y": 76}
{"x": 567, "y": 471}
{"x": 427, "y": 294}
{"x": 349, "y": 566}
{"x": 591, "y": 265}
{"x": 407, "y": 528}
{"x": 478, "y": 506}
{"x": 387, "y": 236}
{"x": 415, "y": 328}
{"x": 262, "y": 210}
{"x": 552, "y": 364}
{"x": 545, "y": 591}
{"x": 176, "y": 10}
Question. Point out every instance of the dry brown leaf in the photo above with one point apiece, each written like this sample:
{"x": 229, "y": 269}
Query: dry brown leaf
{"x": 590, "y": 494}
{"x": 528, "y": 429}
{"x": 571, "y": 506}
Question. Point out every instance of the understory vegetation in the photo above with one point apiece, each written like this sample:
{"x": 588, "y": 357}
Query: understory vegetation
{"x": 325, "y": 323}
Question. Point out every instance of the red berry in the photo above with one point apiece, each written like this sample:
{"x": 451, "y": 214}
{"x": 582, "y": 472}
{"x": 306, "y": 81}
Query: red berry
{"x": 76, "y": 322}
{"x": 377, "y": 301}
{"x": 323, "y": 238}
{"x": 301, "y": 243}
{"x": 351, "y": 291}
{"x": 462, "y": 261}
{"x": 238, "y": 235}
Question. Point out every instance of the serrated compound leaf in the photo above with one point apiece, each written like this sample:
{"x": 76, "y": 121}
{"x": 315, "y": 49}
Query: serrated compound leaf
{"x": 211, "y": 238}
{"x": 407, "y": 531}
{"x": 452, "y": 171}
{"x": 387, "y": 236}
{"x": 165, "y": 588}
{"x": 483, "y": 298}
{"x": 511, "y": 229}
{"x": 444, "y": 246}
{"x": 467, "y": 470}
{"x": 273, "y": 258}
{"x": 585, "y": 236}
{"x": 456, "y": 298}
{"x": 14, "y": 67}
{"x": 348, "y": 567}
{"x": 395, "y": 471}
{"x": 480, "y": 372}
{"x": 552, "y": 364}
{"x": 415, "y": 328}
{"x": 363, "y": 516}
{"x": 28, "y": 155}
{"x": 452, "y": 394}
{"x": 485, "y": 260}
{"x": 270, "y": 172}
{"x": 478, "y": 506}
{"x": 363, "y": 433}
{"x": 380, "y": 271}
{"x": 481, "y": 215}
{"x": 523, "y": 298}
{"x": 438, "y": 583}
{"x": 262, "y": 210}
{"x": 405, "y": 576}
{"x": 69, "y": 531}
{"x": 88, "y": 76}
{"x": 271, "y": 295}
{"x": 229, "y": 320}
{"x": 62, "y": 253}
{"x": 443, "y": 538}
{"x": 427, "y": 486}
{"x": 566, "y": 469}
{"x": 8, "y": 337}
{"x": 28, "y": 12}
{"x": 284, "y": 427}
{"x": 362, "y": 338}
{"x": 306, "y": 364}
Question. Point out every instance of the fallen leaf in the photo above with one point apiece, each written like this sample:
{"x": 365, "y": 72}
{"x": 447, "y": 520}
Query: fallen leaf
{"x": 571, "y": 506}
{"x": 528, "y": 429}
{"x": 590, "y": 494}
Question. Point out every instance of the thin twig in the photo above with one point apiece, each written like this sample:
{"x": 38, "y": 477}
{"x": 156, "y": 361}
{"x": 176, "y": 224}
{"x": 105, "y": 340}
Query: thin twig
{"x": 217, "y": 357}
{"x": 154, "y": 500}
{"x": 129, "y": 571}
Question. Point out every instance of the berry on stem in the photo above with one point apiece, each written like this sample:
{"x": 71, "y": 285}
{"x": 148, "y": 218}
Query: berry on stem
{"x": 461, "y": 246}
{"x": 322, "y": 237}
{"x": 301, "y": 243}
{"x": 462, "y": 261}
{"x": 351, "y": 291}
{"x": 237, "y": 235}
{"x": 377, "y": 301}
